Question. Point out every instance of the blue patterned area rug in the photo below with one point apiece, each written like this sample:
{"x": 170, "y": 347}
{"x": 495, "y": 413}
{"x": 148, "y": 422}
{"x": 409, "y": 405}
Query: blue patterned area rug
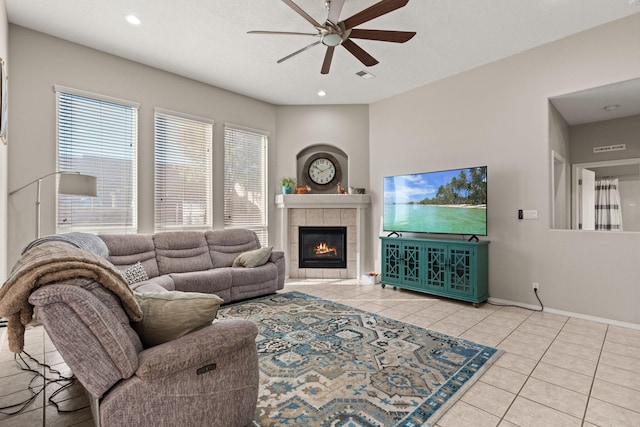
{"x": 327, "y": 364}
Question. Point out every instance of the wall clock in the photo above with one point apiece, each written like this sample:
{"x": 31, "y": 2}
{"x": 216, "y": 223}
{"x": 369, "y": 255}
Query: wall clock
{"x": 322, "y": 171}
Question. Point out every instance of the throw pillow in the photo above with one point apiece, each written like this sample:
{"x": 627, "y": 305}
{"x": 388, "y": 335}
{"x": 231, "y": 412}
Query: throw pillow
{"x": 254, "y": 258}
{"x": 135, "y": 273}
{"x": 172, "y": 314}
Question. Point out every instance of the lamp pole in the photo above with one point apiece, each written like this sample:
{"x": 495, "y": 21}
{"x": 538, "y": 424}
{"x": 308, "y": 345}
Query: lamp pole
{"x": 38, "y": 181}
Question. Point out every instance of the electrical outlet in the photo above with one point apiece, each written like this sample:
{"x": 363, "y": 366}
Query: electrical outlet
{"x": 536, "y": 286}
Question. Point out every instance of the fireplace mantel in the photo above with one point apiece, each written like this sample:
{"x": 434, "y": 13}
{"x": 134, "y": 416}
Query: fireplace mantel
{"x": 334, "y": 201}
{"x": 337, "y": 208}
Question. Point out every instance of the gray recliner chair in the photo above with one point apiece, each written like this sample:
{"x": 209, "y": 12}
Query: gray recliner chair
{"x": 206, "y": 378}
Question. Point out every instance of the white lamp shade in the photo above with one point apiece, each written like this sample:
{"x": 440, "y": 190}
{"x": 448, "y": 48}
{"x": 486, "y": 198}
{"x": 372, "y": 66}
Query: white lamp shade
{"x": 78, "y": 184}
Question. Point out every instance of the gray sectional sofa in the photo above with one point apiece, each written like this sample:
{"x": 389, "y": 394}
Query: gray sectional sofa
{"x": 195, "y": 261}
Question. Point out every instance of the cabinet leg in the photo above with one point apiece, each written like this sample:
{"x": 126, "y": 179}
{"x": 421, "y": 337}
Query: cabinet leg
{"x": 383, "y": 285}
{"x": 475, "y": 304}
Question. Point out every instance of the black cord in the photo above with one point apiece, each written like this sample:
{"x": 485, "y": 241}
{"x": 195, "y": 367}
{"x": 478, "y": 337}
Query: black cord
{"x": 535, "y": 291}
{"x": 61, "y": 379}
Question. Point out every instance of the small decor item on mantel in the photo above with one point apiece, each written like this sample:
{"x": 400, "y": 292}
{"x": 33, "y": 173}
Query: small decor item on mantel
{"x": 287, "y": 185}
{"x": 356, "y": 190}
{"x": 341, "y": 189}
{"x": 302, "y": 189}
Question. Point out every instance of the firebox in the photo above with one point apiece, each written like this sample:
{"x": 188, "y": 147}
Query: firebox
{"x": 322, "y": 247}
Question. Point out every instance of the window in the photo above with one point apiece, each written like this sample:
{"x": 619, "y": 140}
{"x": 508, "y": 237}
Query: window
{"x": 245, "y": 178}
{"x": 97, "y": 135}
{"x": 183, "y": 167}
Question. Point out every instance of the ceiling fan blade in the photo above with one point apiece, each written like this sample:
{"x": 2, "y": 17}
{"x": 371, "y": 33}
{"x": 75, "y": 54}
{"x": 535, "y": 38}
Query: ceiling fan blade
{"x": 290, "y": 33}
{"x": 382, "y": 35}
{"x": 302, "y": 13}
{"x": 359, "y": 53}
{"x": 335, "y": 7}
{"x": 298, "y": 51}
{"x": 326, "y": 64}
{"x": 378, "y": 9}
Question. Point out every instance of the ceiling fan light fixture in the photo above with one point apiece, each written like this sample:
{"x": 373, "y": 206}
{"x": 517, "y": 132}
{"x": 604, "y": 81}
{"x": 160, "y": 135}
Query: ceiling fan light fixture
{"x": 322, "y": 93}
{"x": 333, "y": 39}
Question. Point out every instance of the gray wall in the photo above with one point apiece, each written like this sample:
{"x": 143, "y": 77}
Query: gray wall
{"x": 342, "y": 126}
{"x": 617, "y": 131}
{"x": 40, "y": 61}
{"x": 498, "y": 115}
{"x": 4, "y": 153}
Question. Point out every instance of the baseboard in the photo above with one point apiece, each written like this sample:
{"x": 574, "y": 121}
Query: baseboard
{"x": 567, "y": 313}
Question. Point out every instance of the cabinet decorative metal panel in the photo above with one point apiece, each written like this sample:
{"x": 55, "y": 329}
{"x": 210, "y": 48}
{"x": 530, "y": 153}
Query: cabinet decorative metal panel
{"x": 454, "y": 269}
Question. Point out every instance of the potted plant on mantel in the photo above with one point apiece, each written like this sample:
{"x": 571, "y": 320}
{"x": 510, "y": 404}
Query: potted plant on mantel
{"x": 287, "y": 185}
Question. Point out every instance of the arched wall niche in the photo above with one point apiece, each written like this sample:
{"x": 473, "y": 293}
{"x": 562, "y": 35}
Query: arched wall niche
{"x": 306, "y": 153}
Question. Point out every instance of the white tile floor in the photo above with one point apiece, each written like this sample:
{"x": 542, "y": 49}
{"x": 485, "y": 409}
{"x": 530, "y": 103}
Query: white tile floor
{"x": 555, "y": 370}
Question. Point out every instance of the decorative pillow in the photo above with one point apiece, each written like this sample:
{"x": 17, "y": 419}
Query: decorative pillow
{"x": 135, "y": 273}
{"x": 254, "y": 258}
{"x": 172, "y": 314}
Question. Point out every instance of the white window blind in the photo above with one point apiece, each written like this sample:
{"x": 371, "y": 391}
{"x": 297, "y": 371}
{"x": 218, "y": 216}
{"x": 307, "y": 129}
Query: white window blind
{"x": 183, "y": 167}
{"x": 245, "y": 179}
{"x": 98, "y": 136}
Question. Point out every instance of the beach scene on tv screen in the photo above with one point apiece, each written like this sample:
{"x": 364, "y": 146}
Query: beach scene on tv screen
{"x": 453, "y": 202}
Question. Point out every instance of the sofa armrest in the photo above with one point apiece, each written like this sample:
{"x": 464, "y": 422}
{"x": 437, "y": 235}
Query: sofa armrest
{"x": 276, "y": 255}
{"x": 196, "y": 350}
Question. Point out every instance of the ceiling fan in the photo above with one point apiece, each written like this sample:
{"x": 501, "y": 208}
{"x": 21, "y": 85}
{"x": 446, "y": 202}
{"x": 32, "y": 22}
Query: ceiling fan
{"x": 334, "y": 32}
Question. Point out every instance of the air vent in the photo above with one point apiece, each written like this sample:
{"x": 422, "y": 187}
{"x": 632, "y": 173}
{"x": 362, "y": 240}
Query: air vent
{"x": 365, "y": 75}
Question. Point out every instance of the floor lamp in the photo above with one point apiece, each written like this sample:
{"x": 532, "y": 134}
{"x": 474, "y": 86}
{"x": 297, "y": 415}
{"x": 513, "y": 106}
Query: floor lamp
{"x": 73, "y": 183}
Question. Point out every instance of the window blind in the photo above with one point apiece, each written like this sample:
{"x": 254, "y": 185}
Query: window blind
{"x": 98, "y": 136}
{"x": 183, "y": 168}
{"x": 245, "y": 179}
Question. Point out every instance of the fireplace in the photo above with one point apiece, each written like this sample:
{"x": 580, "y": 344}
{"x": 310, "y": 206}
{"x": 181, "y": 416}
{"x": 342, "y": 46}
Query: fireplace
{"x": 322, "y": 247}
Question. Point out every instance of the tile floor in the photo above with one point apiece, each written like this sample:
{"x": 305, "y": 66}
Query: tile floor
{"x": 555, "y": 370}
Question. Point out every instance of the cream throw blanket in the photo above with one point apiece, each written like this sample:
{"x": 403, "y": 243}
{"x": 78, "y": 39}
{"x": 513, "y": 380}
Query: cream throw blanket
{"x": 50, "y": 263}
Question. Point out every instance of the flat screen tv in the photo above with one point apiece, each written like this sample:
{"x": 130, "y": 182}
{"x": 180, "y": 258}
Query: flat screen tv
{"x": 441, "y": 202}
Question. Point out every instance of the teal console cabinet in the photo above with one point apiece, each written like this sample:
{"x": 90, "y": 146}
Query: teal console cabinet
{"x": 447, "y": 268}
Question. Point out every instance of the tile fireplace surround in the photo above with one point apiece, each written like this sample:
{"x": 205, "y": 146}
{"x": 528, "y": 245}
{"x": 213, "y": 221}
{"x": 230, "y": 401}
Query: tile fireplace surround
{"x": 328, "y": 210}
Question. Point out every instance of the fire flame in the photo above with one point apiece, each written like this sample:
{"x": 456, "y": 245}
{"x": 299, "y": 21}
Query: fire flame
{"x": 323, "y": 249}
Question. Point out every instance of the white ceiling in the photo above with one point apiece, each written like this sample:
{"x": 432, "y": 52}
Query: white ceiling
{"x": 207, "y": 40}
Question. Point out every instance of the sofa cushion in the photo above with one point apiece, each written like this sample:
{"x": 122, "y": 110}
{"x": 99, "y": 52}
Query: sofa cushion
{"x": 217, "y": 281}
{"x": 127, "y": 249}
{"x": 254, "y": 258}
{"x": 170, "y": 315}
{"x": 226, "y": 245}
{"x": 155, "y": 284}
{"x": 181, "y": 251}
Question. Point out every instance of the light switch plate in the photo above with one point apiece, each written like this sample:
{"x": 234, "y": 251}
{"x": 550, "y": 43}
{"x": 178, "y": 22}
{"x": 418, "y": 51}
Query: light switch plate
{"x": 530, "y": 214}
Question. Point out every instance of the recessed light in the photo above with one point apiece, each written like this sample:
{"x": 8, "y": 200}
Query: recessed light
{"x": 611, "y": 107}
{"x": 132, "y": 19}
{"x": 322, "y": 93}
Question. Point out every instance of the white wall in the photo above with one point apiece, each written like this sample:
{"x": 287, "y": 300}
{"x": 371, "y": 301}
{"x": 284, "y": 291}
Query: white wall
{"x": 498, "y": 115}
{"x": 4, "y": 153}
{"x": 40, "y": 61}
